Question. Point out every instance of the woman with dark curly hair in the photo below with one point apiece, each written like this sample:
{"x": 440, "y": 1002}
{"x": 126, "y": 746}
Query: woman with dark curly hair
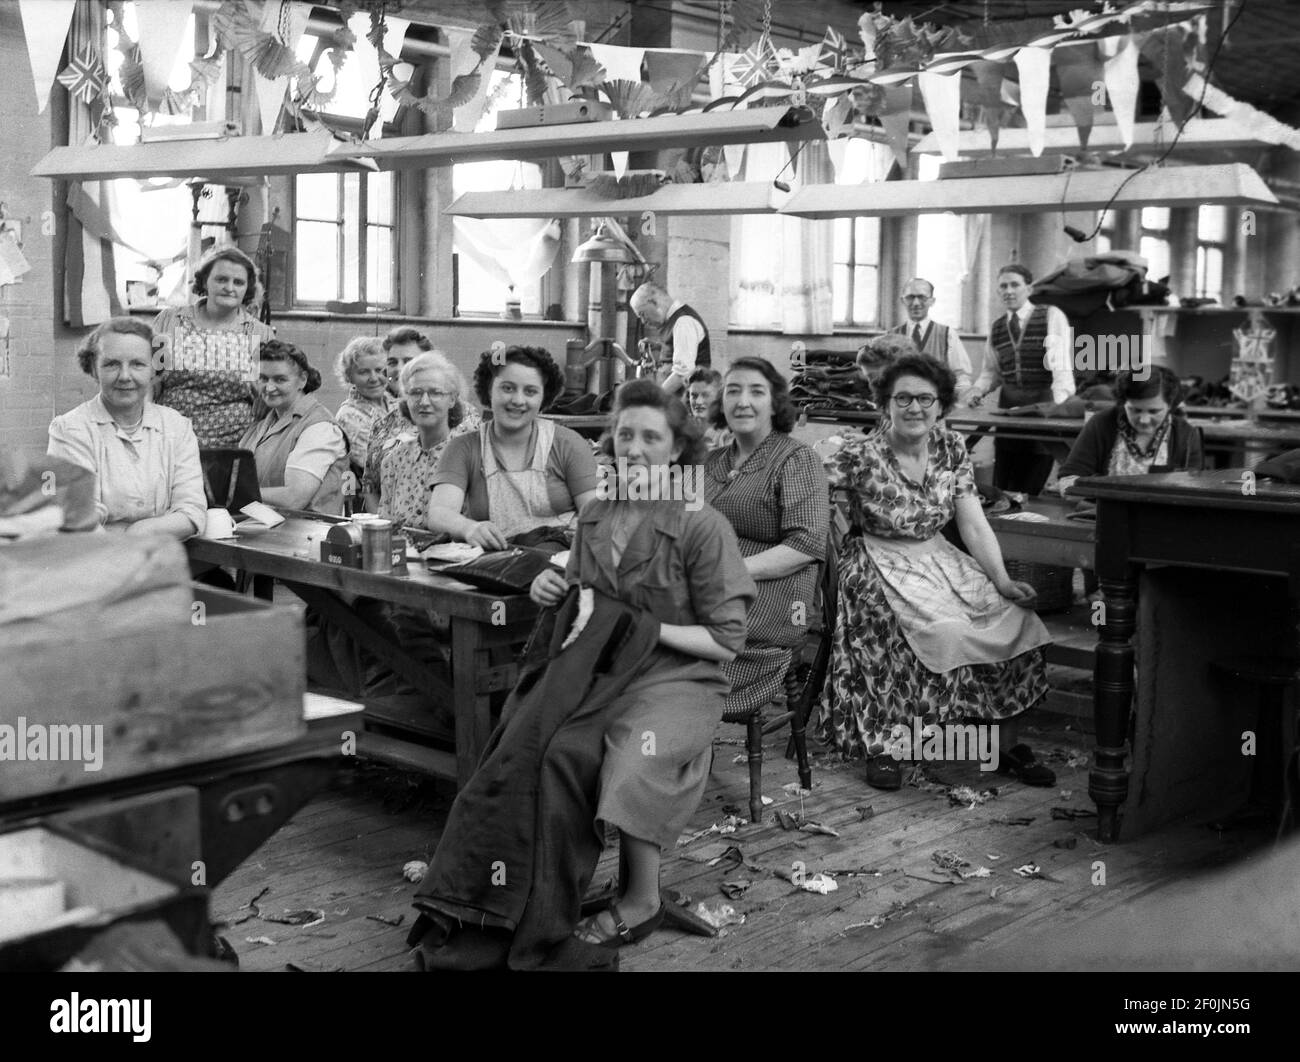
{"x": 1144, "y": 430}
{"x": 211, "y": 349}
{"x": 925, "y": 632}
{"x": 520, "y": 471}
{"x": 300, "y": 451}
{"x": 639, "y": 762}
{"x": 773, "y": 491}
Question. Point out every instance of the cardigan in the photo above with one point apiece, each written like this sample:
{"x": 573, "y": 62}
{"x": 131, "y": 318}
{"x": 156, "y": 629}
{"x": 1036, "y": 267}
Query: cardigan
{"x": 1090, "y": 455}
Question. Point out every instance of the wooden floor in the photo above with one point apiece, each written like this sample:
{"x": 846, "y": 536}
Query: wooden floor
{"x": 895, "y": 908}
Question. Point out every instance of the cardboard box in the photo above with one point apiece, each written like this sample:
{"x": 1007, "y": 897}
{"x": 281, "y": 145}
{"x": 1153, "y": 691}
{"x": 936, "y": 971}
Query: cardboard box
{"x": 116, "y": 704}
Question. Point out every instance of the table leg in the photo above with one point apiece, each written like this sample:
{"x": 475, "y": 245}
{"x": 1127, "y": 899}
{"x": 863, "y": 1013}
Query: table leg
{"x": 473, "y": 710}
{"x": 1112, "y": 700}
{"x": 263, "y": 587}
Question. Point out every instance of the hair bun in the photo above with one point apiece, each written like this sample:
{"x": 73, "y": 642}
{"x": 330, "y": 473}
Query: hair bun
{"x": 313, "y": 380}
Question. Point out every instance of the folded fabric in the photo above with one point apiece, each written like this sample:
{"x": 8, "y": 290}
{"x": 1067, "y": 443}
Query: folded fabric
{"x": 452, "y": 552}
{"x": 509, "y": 571}
{"x": 1285, "y": 467}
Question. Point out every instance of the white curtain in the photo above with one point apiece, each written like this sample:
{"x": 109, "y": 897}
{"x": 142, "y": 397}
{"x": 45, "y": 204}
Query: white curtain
{"x": 780, "y": 266}
{"x": 514, "y": 251}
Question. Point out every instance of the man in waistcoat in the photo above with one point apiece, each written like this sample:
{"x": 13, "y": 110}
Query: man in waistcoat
{"x": 1018, "y": 361}
{"x": 939, "y": 341}
{"x": 684, "y": 333}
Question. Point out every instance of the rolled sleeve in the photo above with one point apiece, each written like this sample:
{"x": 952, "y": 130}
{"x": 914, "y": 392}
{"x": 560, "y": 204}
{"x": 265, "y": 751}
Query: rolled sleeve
{"x": 577, "y": 464}
{"x": 805, "y": 503}
{"x": 1058, "y": 339}
{"x": 457, "y": 464}
{"x": 721, "y": 590}
{"x": 959, "y": 361}
{"x": 687, "y": 337}
{"x": 187, "y": 494}
{"x": 318, "y": 447}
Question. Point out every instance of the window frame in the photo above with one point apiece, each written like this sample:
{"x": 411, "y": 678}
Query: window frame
{"x": 296, "y": 301}
{"x": 1204, "y": 246}
{"x": 852, "y": 266}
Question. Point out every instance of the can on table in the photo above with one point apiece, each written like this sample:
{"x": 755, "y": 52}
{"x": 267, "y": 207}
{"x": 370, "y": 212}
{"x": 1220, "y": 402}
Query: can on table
{"x": 377, "y": 546}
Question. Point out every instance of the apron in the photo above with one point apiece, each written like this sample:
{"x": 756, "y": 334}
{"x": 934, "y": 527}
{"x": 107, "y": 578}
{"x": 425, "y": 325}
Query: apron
{"x": 518, "y": 502}
{"x": 949, "y": 610}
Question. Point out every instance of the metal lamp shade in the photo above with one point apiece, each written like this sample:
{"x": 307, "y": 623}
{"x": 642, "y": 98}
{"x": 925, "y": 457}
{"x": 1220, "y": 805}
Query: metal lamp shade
{"x": 602, "y": 247}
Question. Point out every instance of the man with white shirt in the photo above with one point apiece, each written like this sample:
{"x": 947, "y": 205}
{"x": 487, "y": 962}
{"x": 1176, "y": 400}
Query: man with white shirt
{"x": 939, "y": 341}
{"x": 1018, "y": 361}
{"x": 683, "y": 330}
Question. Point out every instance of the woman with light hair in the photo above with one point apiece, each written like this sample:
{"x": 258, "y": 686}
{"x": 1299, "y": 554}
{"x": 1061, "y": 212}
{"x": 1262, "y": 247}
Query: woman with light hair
{"x": 433, "y": 390}
{"x": 360, "y": 368}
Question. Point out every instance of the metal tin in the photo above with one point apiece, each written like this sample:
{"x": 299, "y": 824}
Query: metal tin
{"x": 399, "y": 555}
{"x": 377, "y": 546}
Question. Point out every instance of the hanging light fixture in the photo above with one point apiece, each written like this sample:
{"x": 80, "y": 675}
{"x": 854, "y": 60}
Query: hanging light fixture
{"x": 602, "y": 247}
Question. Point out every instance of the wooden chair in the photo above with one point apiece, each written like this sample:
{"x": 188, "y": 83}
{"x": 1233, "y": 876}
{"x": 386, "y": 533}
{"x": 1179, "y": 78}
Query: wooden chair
{"x": 804, "y": 677}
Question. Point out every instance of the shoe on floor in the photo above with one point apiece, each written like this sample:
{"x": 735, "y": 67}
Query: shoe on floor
{"x": 884, "y": 772}
{"x": 1020, "y": 762}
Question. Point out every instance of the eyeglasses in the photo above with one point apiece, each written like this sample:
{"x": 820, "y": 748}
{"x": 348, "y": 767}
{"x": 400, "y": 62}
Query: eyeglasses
{"x": 924, "y": 401}
{"x": 419, "y": 396}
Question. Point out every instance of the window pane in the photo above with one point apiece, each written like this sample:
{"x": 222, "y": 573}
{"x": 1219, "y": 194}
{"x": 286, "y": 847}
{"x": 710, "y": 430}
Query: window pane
{"x": 866, "y": 248}
{"x": 379, "y": 198}
{"x": 1209, "y": 272}
{"x": 843, "y": 234}
{"x": 1212, "y": 223}
{"x": 1156, "y": 252}
{"x": 318, "y": 195}
{"x": 351, "y": 237}
{"x": 316, "y": 259}
{"x": 840, "y": 284}
{"x": 379, "y": 265}
{"x": 864, "y": 295}
{"x": 1103, "y": 243}
{"x": 1155, "y": 218}
{"x": 479, "y": 291}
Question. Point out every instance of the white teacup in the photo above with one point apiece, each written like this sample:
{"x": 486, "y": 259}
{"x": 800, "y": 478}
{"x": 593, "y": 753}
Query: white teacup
{"x": 220, "y": 524}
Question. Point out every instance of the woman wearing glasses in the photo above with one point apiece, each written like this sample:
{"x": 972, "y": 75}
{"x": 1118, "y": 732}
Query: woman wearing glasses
{"x": 925, "y": 631}
{"x": 432, "y": 389}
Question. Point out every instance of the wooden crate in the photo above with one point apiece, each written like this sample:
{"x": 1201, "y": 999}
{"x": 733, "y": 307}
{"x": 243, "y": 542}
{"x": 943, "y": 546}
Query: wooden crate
{"x": 230, "y": 681}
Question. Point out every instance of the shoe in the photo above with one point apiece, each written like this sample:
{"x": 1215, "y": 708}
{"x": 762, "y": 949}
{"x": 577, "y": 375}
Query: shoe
{"x": 624, "y": 935}
{"x": 884, "y": 772}
{"x": 1020, "y": 762}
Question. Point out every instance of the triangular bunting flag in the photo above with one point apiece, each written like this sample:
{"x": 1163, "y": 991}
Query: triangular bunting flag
{"x": 988, "y": 82}
{"x": 1121, "y": 77}
{"x": 1035, "y": 66}
{"x": 942, "y": 95}
{"x": 896, "y": 118}
{"x": 162, "y": 25}
{"x": 45, "y": 28}
{"x": 1079, "y": 73}
{"x": 464, "y": 60}
{"x": 85, "y": 77}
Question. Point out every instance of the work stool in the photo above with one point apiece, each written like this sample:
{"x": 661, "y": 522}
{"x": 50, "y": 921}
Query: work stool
{"x": 1273, "y": 675}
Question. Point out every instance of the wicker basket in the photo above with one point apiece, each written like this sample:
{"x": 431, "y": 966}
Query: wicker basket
{"x": 1055, "y": 586}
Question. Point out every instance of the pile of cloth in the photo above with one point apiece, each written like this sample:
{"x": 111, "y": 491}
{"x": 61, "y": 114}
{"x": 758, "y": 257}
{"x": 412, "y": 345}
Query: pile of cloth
{"x": 1114, "y": 280}
{"x": 829, "y": 381}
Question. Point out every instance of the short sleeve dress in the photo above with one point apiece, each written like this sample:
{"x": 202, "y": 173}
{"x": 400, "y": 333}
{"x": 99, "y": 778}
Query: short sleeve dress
{"x": 922, "y": 632}
{"x": 210, "y": 372}
{"x": 777, "y": 497}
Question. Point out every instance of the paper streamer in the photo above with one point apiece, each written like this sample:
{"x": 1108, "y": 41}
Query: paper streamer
{"x": 45, "y": 28}
{"x": 942, "y": 95}
{"x": 1035, "y": 66}
{"x": 270, "y": 94}
{"x": 463, "y": 60}
{"x": 621, "y": 64}
{"x": 1121, "y": 77}
{"x": 162, "y": 25}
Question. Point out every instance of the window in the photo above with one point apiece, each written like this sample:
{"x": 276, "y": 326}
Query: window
{"x": 487, "y": 253}
{"x": 1107, "y": 232}
{"x": 1211, "y": 236}
{"x": 345, "y": 239}
{"x": 1154, "y": 241}
{"x": 855, "y": 271}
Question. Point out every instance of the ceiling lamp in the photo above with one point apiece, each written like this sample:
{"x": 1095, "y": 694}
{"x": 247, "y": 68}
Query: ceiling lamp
{"x": 602, "y": 248}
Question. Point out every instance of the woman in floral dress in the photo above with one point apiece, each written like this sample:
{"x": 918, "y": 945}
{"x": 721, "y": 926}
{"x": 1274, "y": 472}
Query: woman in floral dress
{"x": 924, "y": 631}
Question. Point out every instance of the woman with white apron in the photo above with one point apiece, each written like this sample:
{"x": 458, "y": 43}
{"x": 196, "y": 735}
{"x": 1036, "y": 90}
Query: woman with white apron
{"x": 520, "y": 472}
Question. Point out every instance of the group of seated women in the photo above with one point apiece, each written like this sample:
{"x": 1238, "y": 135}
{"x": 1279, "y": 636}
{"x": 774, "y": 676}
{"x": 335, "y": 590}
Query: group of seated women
{"x": 926, "y": 631}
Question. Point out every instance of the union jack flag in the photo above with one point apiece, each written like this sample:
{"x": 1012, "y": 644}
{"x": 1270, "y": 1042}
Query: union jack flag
{"x": 85, "y": 76}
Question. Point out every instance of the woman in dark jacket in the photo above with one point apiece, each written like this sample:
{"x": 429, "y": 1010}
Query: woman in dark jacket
{"x": 1145, "y": 430}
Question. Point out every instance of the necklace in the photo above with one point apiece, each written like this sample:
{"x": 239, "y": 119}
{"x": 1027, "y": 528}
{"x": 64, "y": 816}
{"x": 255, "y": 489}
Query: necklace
{"x": 130, "y": 428}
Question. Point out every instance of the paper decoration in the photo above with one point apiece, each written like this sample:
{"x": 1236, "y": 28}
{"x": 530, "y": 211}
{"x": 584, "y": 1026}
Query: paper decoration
{"x": 1078, "y": 69}
{"x": 896, "y": 118}
{"x": 621, "y": 64}
{"x": 1245, "y": 118}
{"x": 286, "y": 21}
{"x": 942, "y": 95}
{"x": 464, "y": 61}
{"x": 988, "y": 93}
{"x": 45, "y": 28}
{"x": 1035, "y": 66}
{"x": 1165, "y": 50}
{"x": 85, "y": 77}
{"x": 12, "y": 258}
{"x": 1121, "y": 76}
{"x": 162, "y": 25}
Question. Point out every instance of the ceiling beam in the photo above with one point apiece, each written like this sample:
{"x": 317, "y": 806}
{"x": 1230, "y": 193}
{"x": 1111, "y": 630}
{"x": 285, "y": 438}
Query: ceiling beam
{"x": 713, "y": 198}
{"x": 1198, "y": 134}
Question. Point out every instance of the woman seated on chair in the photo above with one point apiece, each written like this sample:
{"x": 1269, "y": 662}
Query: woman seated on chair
{"x": 360, "y": 368}
{"x": 520, "y": 471}
{"x": 773, "y": 491}
{"x": 924, "y": 631}
{"x": 1146, "y": 429}
{"x": 677, "y": 560}
{"x": 300, "y": 452}
{"x": 145, "y": 457}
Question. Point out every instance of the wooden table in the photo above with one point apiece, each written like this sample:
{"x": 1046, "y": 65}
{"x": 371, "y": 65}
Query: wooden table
{"x": 1058, "y": 541}
{"x": 1199, "y": 520}
{"x": 480, "y": 623}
